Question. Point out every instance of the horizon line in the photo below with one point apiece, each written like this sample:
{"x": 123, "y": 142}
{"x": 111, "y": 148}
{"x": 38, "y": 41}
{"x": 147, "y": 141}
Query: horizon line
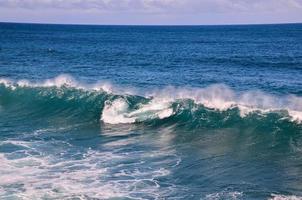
{"x": 95, "y": 24}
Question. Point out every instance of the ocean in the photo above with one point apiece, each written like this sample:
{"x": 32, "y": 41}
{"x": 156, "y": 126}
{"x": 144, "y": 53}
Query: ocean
{"x": 150, "y": 112}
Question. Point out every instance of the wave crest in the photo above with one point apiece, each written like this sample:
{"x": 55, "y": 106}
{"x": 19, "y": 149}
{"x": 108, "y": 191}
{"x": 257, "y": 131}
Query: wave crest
{"x": 119, "y": 105}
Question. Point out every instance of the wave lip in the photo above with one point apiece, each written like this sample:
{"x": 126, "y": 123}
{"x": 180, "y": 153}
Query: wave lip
{"x": 64, "y": 80}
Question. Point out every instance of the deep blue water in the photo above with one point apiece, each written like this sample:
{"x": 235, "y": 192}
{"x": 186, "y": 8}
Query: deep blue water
{"x": 150, "y": 112}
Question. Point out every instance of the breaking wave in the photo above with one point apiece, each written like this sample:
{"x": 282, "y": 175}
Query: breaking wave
{"x": 215, "y": 105}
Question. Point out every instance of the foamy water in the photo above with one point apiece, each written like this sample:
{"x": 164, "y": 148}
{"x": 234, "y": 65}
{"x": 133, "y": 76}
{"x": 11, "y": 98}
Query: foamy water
{"x": 219, "y": 97}
{"x": 150, "y": 112}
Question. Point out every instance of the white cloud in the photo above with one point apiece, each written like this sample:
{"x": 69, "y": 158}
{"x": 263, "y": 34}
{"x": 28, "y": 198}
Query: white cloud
{"x": 152, "y": 11}
{"x": 165, "y": 6}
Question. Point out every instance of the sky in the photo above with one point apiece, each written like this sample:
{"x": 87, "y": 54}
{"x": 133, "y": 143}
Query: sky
{"x": 152, "y": 12}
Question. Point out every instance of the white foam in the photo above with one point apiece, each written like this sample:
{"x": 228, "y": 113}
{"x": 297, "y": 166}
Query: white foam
{"x": 219, "y": 97}
{"x": 64, "y": 80}
{"x": 5, "y": 81}
{"x": 165, "y": 113}
{"x": 284, "y": 197}
{"x": 105, "y": 174}
{"x": 117, "y": 111}
{"x": 295, "y": 115}
{"x": 106, "y": 86}
{"x": 39, "y": 179}
{"x": 216, "y": 96}
{"x": 224, "y": 195}
{"x": 60, "y": 81}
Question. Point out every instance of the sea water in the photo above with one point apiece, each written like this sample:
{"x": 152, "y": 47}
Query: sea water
{"x": 150, "y": 112}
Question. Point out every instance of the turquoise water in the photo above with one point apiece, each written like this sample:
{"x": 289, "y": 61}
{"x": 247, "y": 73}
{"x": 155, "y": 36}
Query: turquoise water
{"x": 150, "y": 112}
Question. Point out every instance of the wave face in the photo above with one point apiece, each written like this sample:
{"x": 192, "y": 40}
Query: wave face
{"x": 213, "y": 106}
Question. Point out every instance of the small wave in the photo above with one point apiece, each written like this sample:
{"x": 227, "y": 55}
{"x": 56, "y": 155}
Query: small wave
{"x": 64, "y": 80}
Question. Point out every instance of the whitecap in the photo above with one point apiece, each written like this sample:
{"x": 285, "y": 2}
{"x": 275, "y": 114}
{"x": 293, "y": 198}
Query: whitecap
{"x": 118, "y": 112}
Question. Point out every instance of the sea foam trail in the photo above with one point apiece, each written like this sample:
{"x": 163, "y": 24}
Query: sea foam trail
{"x": 284, "y": 197}
{"x": 123, "y": 105}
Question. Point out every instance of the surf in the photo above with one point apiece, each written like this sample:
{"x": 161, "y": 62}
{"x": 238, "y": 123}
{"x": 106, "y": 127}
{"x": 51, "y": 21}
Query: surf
{"x": 215, "y": 104}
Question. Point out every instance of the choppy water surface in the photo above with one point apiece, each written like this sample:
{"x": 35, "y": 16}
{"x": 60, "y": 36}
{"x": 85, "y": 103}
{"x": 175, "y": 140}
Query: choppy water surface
{"x": 134, "y": 112}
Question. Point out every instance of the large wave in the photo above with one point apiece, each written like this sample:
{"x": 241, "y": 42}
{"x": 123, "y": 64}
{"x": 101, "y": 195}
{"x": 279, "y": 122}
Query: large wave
{"x": 215, "y": 105}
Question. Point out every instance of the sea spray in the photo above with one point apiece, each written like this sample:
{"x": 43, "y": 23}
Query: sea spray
{"x": 123, "y": 107}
